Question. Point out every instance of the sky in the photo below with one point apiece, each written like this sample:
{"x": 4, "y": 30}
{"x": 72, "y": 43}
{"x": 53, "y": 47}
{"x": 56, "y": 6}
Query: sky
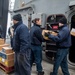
{"x": 11, "y": 4}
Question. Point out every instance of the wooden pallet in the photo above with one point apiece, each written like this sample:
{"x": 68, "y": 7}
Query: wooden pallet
{"x": 6, "y": 69}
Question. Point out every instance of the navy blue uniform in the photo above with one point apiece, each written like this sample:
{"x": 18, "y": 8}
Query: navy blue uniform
{"x": 21, "y": 46}
{"x": 63, "y": 41}
{"x": 36, "y": 35}
{"x": 36, "y": 41}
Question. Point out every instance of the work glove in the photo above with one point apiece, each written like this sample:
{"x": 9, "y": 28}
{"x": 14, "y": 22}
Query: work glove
{"x": 47, "y": 34}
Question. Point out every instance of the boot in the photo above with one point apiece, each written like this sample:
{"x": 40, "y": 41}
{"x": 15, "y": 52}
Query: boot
{"x": 51, "y": 73}
{"x": 41, "y": 73}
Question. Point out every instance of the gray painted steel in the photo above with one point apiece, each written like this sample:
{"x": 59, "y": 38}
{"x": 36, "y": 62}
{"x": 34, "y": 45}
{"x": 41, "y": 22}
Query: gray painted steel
{"x": 48, "y": 7}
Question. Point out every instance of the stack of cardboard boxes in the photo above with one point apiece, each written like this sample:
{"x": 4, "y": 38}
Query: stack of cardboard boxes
{"x": 2, "y": 44}
{"x": 6, "y": 57}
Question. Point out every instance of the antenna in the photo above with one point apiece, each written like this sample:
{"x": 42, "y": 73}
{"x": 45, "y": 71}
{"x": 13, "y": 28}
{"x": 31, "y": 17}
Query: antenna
{"x": 49, "y": 25}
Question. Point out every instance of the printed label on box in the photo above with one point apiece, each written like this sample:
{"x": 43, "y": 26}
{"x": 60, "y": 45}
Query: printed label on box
{"x": 3, "y": 60}
{"x": 6, "y": 63}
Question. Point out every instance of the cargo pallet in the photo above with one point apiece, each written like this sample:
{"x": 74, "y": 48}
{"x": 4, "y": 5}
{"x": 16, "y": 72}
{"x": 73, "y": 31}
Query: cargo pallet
{"x": 7, "y": 70}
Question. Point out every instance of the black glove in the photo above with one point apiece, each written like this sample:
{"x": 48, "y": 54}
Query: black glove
{"x": 47, "y": 34}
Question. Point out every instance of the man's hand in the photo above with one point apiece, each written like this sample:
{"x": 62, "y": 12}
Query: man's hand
{"x": 47, "y": 34}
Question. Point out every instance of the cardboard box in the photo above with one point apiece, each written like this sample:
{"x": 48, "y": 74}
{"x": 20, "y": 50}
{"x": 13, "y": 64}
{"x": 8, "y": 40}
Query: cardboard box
{"x": 2, "y": 41}
{"x": 0, "y": 59}
{"x": 72, "y": 32}
{"x": 7, "y": 63}
{"x": 4, "y": 45}
{"x": 7, "y": 50}
{"x": 51, "y": 32}
{"x": 7, "y": 56}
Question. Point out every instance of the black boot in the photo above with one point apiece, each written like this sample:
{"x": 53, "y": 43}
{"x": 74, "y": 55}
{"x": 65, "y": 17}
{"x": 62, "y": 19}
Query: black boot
{"x": 41, "y": 73}
{"x": 51, "y": 73}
